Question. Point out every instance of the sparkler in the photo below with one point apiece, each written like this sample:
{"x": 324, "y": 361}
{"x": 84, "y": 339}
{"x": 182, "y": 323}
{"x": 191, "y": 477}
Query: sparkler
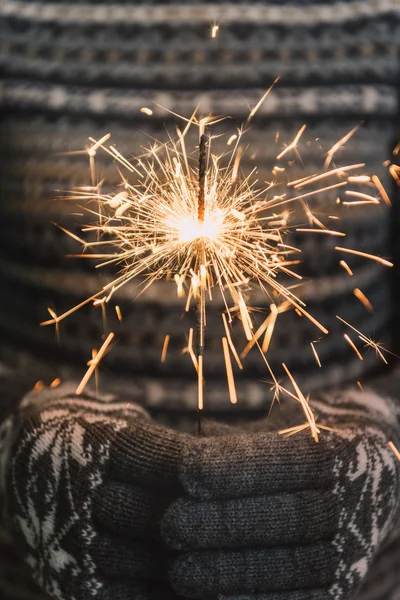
{"x": 209, "y": 229}
{"x": 201, "y": 300}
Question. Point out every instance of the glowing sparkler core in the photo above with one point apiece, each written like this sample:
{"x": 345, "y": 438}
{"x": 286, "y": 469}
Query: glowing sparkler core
{"x": 190, "y": 229}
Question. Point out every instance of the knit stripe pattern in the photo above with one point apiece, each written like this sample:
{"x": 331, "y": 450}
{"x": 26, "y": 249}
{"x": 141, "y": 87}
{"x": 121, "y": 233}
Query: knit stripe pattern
{"x": 73, "y": 70}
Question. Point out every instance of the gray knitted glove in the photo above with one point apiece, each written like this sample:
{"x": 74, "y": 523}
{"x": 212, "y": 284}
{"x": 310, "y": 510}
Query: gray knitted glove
{"x": 86, "y": 483}
{"x": 270, "y": 518}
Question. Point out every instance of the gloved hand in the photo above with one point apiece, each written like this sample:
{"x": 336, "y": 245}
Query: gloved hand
{"x": 85, "y": 484}
{"x": 269, "y": 518}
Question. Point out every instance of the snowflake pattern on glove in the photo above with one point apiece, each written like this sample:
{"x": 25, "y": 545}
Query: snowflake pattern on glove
{"x": 367, "y": 481}
{"x": 56, "y": 469}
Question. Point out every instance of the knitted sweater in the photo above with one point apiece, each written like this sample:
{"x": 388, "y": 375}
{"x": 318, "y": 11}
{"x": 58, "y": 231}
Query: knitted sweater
{"x": 71, "y": 70}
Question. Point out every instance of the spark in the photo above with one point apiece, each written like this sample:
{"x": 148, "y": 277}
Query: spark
{"x": 72, "y": 235}
{"x": 191, "y": 351}
{"x": 363, "y": 299}
{"x": 270, "y": 328}
{"x": 261, "y": 101}
{"x": 378, "y": 184}
{"x": 289, "y": 431}
{"x": 146, "y": 111}
{"x": 304, "y": 404}
{"x": 369, "y": 342}
{"x": 39, "y": 386}
{"x": 55, "y": 383}
{"x": 317, "y": 359}
{"x": 165, "y": 348}
{"x": 359, "y": 179}
{"x": 92, "y": 151}
{"x": 119, "y": 314}
{"x": 378, "y": 259}
{"x": 282, "y": 308}
{"x": 229, "y": 371}
{"x": 298, "y": 428}
{"x": 214, "y": 31}
{"x": 94, "y": 363}
{"x": 54, "y": 316}
{"x": 236, "y": 164}
{"x": 321, "y": 190}
{"x": 338, "y": 145}
{"x": 325, "y": 231}
{"x": 245, "y": 318}
{"x": 394, "y": 170}
{"x": 230, "y": 342}
{"x": 395, "y": 450}
{"x": 293, "y": 144}
{"x": 352, "y": 344}
{"x": 96, "y": 371}
{"x": 346, "y": 267}
{"x": 366, "y": 198}
{"x": 359, "y": 384}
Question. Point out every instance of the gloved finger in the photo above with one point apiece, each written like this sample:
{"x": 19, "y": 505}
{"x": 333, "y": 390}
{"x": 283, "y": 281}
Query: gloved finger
{"x": 127, "y": 589}
{"x": 318, "y": 594}
{"x": 147, "y": 453}
{"x": 254, "y": 464}
{"x": 129, "y": 510}
{"x": 275, "y": 519}
{"x": 118, "y": 557}
{"x": 210, "y": 573}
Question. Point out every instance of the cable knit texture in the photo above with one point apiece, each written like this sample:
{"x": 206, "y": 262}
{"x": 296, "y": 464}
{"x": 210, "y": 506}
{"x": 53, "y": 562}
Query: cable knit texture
{"x": 286, "y": 516}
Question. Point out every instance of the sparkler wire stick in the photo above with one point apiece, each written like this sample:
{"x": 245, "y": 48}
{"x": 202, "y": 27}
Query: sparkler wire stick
{"x": 201, "y": 301}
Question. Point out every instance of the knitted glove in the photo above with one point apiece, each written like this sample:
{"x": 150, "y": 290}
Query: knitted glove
{"x": 274, "y": 518}
{"x": 86, "y": 483}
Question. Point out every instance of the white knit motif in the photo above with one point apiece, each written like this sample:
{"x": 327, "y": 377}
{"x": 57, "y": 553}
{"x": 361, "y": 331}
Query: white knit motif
{"x": 56, "y": 470}
{"x": 368, "y": 506}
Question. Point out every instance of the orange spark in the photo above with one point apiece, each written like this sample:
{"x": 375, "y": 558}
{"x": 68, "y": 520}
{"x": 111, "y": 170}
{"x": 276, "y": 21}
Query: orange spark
{"x": 378, "y": 184}
{"x": 165, "y": 348}
{"x": 325, "y": 231}
{"x": 293, "y": 144}
{"x": 94, "y": 363}
{"x": 395, "y": 450}
{"x": 363, "y": 299}
{"x": 39, "y": 385}
{"x": 352, "y": 344}
{"x": 270, "y": 328}
{"x": 338, "y": 145}
{"x": 230, "y": 342}
{"x": 229, "y": 371}
{"x": 346, "y": 267}
{"x": 304, "y": 403}
{"x": 378, "y": 259}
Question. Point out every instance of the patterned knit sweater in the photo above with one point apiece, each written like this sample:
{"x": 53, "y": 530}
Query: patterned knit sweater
{"x": 70, "y": 70}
